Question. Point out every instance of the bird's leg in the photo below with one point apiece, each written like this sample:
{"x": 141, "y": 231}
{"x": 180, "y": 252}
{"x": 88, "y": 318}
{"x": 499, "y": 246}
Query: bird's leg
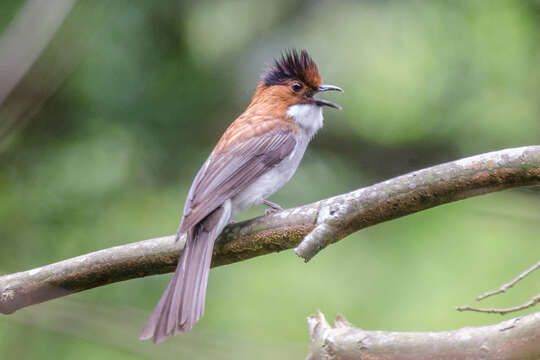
{"x": 273, "y": 207}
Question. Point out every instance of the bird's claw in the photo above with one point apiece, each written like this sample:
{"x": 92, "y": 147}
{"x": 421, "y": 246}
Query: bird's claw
{"x": 270, "y": 211}
{"x": 274, "y": 208}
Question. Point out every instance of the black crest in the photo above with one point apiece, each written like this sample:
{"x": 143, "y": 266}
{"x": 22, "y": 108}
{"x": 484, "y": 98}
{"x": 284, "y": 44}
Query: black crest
{"x": 293, "y": 65}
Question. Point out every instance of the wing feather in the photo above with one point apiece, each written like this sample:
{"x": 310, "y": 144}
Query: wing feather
{"x": 232, "y": 170}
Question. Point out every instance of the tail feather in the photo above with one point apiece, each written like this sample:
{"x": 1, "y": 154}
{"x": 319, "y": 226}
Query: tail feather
{"x": 182, "y": 303}
{"x": 194, "y": 279}
{"x": 198, "y": 306}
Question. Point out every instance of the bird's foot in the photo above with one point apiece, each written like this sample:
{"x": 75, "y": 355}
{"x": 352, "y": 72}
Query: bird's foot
{"x": 274, "y": 208}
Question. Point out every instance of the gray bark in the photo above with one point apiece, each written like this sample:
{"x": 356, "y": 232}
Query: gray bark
{"x": 513, "y": 339}
{"x": 326, "y": 221}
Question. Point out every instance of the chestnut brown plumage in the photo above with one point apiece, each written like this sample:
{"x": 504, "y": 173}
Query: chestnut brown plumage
{"x": 257, "y": 155}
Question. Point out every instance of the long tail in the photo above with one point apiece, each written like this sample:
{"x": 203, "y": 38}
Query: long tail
{"x": 182, "y": 304}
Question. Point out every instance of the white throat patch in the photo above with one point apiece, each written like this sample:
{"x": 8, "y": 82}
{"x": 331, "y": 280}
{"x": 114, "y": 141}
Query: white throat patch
{"x": 308, "y": 116}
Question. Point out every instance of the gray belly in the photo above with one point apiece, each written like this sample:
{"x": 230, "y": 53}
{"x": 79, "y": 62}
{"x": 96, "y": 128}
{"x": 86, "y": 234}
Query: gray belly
{"x": 270, "y": 182}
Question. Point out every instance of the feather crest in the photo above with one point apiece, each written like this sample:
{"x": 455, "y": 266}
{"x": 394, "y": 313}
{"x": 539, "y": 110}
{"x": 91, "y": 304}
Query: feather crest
{"x": 293, "y": 65}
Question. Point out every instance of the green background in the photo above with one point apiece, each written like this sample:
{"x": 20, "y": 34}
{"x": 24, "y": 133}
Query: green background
{"x": 145, "y": 90}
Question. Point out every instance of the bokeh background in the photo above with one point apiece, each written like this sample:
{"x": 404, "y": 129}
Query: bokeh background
{"x": 122, "y": 101}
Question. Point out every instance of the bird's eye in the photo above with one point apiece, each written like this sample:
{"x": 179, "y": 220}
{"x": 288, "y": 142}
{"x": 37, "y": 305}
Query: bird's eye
{"x": 296, "y": 86}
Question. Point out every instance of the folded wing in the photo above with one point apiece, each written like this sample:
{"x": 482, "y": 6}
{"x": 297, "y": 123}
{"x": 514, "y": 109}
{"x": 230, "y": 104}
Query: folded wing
{"x": 231, "y": 170}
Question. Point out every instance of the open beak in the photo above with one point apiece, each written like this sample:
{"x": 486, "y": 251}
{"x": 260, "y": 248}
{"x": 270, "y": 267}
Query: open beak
{"x": 321, "y": 102}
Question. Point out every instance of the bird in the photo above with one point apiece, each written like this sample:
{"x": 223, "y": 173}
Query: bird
{"x": 257, "y": 154}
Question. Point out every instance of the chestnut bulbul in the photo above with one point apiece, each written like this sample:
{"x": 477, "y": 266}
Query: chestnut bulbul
{"x": 258, "y": 153}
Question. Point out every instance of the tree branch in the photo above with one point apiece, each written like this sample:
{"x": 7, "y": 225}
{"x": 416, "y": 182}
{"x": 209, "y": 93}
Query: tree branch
{"x": 419, "y": 190}
{"x": 335, "y": 218}
{"x": 535, "y": 299}
{"x": 20, "y": 47}
{"x": 509, "y": 284}
{"x": 517, "y": 338}
{"x": 502, "y": 311}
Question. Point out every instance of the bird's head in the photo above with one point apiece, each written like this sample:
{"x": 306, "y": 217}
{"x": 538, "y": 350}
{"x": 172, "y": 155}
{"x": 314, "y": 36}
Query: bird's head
{"x": 293, "y": 79}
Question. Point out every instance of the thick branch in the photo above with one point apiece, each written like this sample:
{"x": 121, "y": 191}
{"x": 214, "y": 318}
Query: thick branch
{"x": 517, "y": 338}
{"x": 419, "y": 190}
{"x": 343, "y": 214}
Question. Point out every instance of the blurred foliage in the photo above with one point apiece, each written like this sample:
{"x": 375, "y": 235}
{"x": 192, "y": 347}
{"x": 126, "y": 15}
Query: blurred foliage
{"x": 110, "y": 155}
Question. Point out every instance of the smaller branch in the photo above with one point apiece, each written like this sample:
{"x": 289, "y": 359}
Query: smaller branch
{"x": 535, "y": 300}
{"x": 330, "y": 223}
{"x": 20, "y": 47}
{"x": 509, "y": 284}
